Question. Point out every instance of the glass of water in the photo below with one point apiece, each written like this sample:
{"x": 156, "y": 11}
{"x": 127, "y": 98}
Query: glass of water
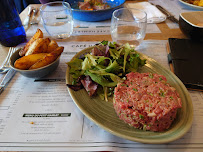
{"x": 57, "y": 19}
{"x": 128, "y": 25}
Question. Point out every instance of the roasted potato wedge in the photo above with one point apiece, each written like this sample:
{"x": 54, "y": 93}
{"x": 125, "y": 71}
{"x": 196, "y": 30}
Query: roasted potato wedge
{"x": 47, "y": 42}
{"x": 26, "y": 62}
{"x": 37, "y": 35}
{"x": 52, "y": 46}
{"x": 49, "y": 58}
{"x": 40, "y": 45}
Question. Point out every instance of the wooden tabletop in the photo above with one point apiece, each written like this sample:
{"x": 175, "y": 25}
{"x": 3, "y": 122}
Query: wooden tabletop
{"x": 166, "y": 33}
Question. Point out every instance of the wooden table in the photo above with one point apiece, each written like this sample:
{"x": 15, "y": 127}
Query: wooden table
{"x": 166, "y": 33}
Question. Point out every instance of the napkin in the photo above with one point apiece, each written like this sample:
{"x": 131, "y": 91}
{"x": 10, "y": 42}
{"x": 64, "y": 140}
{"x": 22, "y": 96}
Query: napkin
{"x": 153, "y": 14}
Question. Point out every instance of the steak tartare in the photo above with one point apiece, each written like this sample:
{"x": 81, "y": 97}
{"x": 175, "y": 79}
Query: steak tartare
{"x": 146, "y": 101}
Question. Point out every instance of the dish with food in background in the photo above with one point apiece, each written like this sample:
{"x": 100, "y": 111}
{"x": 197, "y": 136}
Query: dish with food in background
{"x": 196, "y": 4}
{"x": 98, "y": 14}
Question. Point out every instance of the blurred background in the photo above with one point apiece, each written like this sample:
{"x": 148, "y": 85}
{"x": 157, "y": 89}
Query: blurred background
{"x": 22, "y": 4}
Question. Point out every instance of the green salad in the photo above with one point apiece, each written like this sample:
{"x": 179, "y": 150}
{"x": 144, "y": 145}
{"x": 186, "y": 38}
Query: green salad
{"x": 102, "y": 69}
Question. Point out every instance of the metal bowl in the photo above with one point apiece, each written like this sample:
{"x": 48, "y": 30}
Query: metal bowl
{"x": 94, "y": 15}
{"x": 35, "y": 73}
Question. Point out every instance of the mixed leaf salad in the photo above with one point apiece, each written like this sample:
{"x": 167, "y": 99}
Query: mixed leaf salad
{"x": 102, "y": 69}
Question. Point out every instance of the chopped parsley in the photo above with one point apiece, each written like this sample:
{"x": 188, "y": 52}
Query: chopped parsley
{"x": 124, "y": 85}
{"x": 134, "y": 89}
{"x": 151, "y": 75}
{"x": 160, "y": 78}
{"x": 144, "y": 127}
{"x": 162, "y": 94}
{"x": 141, "y": 116}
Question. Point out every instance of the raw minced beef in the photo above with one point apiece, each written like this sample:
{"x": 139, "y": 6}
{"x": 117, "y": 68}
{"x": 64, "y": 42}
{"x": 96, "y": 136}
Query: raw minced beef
{"x": 146, "y": 101}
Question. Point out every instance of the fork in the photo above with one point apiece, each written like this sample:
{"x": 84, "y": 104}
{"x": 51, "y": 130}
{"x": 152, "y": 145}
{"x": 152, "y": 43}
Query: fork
{"x": 5, "y": 66}
{"x": 34, "y": 20}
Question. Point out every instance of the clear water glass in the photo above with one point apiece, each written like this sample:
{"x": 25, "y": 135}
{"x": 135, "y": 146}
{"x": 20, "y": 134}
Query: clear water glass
{"x": 57, "y": 19}
{"x": 128, "y": 25}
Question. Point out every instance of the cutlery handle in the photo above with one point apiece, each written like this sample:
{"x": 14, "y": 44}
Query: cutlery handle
{"x": 168, "y": 14}
{"x": 173, "y": 19}
{"x": 1, "y": 89}
{"x": 163, "y": 10}
{"x": 30, "y": 10}
{"x": 35, "y": 12}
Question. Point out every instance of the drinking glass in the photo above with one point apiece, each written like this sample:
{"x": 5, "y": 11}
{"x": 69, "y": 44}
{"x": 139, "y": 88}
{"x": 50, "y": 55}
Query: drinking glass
{"x": 128, "y": 25}
{"x": 57, "y": 19}
{"x": 12, "y": 31}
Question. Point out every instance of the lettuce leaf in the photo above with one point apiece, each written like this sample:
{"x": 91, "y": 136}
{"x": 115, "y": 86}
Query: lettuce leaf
{"x": 100, "y": 79}
{"x": 76, "y": 68}
{"x": 127, "y": 51}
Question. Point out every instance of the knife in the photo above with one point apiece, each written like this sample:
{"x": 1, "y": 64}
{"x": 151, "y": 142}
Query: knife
{"x": 168, "y": 14}
{"x": 27, "y": 19}
{"x": 9, "y": 75}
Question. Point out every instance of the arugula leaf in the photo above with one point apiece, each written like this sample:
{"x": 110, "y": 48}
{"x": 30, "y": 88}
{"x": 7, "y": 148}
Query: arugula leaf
{"x": 113, "y": 67}
{"x": 127, "y": 51}
{"x": 100, "y": 79}
{"x": 104, "y": 42}
{"x": 134, "y": 62}
{"x": 76, "y": 68}
{"x": 113, "y": 77}
{"x": 115, "y": 53}
{"x": 89, "y": 61}
{"x": 102, "y": 60}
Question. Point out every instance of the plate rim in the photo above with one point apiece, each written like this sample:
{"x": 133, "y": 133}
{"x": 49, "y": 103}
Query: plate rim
{"x": 191, "y": 5}
{"x": 146, "y": 141}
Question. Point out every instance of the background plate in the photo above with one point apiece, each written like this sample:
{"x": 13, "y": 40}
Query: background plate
{"x": 94, "y": 15}
{"x": 103, "y": 114}
{"x": 191, "y": 5}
